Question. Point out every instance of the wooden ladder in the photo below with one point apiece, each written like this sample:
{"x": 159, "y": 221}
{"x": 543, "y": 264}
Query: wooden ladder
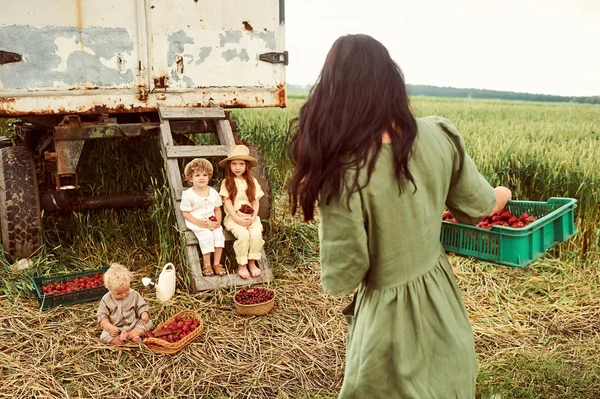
{"x": 171, "y": 153}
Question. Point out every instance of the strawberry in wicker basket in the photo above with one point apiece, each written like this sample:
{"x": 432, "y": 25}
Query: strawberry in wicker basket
{"x": 175, "y": 333}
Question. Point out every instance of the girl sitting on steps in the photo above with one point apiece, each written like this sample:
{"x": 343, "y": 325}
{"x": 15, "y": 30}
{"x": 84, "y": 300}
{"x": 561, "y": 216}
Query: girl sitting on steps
{"x": 240, "y": 191}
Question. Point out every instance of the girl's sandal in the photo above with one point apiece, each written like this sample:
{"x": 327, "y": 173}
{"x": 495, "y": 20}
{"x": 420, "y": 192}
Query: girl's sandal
{"x": 207, "y": 271}
{"x": 219, "y": 270}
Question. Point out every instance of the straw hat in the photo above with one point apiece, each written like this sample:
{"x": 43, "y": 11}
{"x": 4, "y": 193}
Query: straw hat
{"x": 239, "y": 152}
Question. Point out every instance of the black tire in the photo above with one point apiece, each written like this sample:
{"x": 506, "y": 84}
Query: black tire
{"x": 20, "y": 216}
{"x": 260, "y": 172}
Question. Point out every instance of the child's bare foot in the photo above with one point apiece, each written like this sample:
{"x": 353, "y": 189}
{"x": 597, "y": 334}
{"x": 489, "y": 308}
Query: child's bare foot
{"x": 254, "y": 270}
{"x": 137, "y": 339}
{"x": 123, "y": 336}
{"x": 243, "y": 271}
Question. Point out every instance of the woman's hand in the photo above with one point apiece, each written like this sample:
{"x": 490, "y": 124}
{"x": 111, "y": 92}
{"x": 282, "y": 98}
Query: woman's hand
{"x": 503, "y": 195}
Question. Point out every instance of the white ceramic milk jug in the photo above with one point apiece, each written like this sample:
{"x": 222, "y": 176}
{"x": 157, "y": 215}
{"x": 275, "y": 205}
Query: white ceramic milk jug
{"x": 165, "y": 287}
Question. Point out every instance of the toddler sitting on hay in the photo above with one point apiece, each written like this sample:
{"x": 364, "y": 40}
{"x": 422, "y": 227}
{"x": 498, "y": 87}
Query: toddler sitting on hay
{"x": 123, "y": 313}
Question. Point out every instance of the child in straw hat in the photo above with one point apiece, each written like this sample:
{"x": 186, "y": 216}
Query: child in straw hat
{"x": 241, "y": 192}
{"x": 201, "y": 208}
{"x": 122, "y": 313}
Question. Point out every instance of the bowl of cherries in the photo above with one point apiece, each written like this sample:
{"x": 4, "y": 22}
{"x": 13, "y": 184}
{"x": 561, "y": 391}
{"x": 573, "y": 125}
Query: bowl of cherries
{"x": 254, "y": 301}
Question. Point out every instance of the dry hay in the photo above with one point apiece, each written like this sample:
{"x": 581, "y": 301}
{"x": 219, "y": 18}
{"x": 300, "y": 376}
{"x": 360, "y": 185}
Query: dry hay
{"x": 298, "y": 347}
{"x": 297, "y": 351}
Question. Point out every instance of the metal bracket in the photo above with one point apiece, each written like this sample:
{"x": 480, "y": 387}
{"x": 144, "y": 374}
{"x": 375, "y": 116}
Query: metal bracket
{"x": 274, "y": 58}
{"x": 6, "y": 57}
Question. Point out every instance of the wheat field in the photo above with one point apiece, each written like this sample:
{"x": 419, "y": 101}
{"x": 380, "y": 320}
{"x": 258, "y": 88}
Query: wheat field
{"x": 536, "y": 328}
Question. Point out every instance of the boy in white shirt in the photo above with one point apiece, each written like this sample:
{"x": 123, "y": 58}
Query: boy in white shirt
{"x": 201, "y": 208}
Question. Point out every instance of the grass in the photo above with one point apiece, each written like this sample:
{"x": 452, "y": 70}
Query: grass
{"x": 536, "y": 328}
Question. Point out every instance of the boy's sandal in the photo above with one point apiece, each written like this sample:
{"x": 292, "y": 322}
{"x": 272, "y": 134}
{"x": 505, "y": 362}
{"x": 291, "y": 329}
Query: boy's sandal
{"x": 219, "y": 270}
{"x": 207, "y": 271}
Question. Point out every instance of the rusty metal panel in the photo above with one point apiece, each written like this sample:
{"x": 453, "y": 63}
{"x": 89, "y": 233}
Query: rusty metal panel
{"x": 86, "y": 56}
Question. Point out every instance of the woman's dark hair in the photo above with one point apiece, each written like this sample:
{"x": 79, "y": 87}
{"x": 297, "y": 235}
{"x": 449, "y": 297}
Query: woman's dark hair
{"x": 359, "y": 95}
{"x": 232, "y": 188}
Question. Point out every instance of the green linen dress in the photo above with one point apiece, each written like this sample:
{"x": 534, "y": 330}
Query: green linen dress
{"x": 409, "y": 334}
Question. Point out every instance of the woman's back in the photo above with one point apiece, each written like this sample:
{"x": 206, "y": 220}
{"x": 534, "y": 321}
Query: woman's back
{"x": 408, "y": 333}
{"x": 403, "y": 229}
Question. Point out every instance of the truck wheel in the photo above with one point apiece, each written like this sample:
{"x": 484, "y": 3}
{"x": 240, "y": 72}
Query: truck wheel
{"x": 260, "y": 172}
{"x": 20, "y": 216}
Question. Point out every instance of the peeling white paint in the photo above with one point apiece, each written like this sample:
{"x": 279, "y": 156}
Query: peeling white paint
{"x": 125, "y": 49}
{"x": 64, "y": 47}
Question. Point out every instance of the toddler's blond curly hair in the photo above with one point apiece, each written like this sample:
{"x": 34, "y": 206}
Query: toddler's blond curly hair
{"x": 198, "y": 165}
{"x": 117, "y": 277}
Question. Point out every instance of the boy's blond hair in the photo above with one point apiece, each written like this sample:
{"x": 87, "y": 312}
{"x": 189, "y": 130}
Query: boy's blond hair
{"x": 198, "y": 165}
{"x": 117, "y": 277}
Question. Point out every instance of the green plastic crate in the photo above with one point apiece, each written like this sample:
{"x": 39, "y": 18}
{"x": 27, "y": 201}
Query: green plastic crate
{"x": 514, "y": 247}
{"x": 89, "y": 294}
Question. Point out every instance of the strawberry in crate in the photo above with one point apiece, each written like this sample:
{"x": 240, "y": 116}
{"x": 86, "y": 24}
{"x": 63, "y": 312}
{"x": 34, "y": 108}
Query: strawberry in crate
{"x": 501, "y": 218}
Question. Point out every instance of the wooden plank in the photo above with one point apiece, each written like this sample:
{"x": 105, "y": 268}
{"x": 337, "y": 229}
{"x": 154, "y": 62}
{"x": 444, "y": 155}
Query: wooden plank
{"x": 170, "y": 153}
{"x": 193, "y": 255}
{"x": 181, "y": 113}
{"x": 224, "y": 132}
{"x": 232, "y": 279}
{"x": 196, "y": 151}
{"x": 173, "y": 172}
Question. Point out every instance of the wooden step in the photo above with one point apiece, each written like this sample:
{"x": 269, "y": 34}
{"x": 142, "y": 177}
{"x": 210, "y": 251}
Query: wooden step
{"x": 171, "y": 153}
{"x": 175, "y": 113}
{"x": 202, "y": 283}
{"x": 196, "y": 151}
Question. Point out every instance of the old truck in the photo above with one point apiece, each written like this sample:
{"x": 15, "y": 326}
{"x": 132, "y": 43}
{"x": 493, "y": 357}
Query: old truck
{"x": 76, "y": 70}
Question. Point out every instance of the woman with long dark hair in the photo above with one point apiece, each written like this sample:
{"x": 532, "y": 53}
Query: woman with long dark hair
{"x": 381, "y": 179}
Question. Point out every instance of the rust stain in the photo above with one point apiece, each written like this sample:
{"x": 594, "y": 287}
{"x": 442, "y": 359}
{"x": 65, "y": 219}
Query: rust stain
{"x": 79, "y": 23}
{"x": 95, "y": 110}
{"x": 84, "y": 88}
{"x": 179, "y": 62}
{"x": 235, "y": 103}
{"x": 247, "y": 26}
{"x": 161, "y": 82}
{"x": 281, "y": 96}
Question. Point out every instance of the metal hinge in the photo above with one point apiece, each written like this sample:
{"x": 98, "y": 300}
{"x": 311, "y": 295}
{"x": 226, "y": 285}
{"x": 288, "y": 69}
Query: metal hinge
{"x": 7, "y": 57}
{"x": 274, "y": 58}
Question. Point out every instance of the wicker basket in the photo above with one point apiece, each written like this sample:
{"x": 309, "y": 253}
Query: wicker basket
{"x": 257, "y": 309}
{"x": 158, "y": 345}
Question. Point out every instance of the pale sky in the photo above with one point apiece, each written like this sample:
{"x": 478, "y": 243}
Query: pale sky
{"x": 533, "y": 46}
